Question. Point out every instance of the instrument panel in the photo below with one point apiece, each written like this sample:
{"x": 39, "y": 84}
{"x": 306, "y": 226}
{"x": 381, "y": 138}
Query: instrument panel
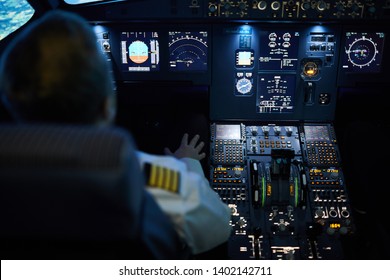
{"x": 284, "y": 204}
{"x": 275, "y": 68}
{"x": 273, "y": 89}
{"x": 319, "y": 10}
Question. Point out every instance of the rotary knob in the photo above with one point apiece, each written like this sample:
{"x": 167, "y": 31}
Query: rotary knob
{"x": 241, "y": 222}
{"x": 275, "y": 5}
{"x": 262, "y": 5}
{"x": 213, "y": 8}
{"x": 321, "y": 6}
{"x": 242, "y": 5}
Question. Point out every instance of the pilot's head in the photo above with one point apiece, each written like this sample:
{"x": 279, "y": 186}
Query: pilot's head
{"x": 54, "y": 72}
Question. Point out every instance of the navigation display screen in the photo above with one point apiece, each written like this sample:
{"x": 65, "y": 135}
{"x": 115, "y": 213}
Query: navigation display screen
{"x": 188, "y": 50}
{"x": 363, "y": 52}
{"x": 140, "y": 51}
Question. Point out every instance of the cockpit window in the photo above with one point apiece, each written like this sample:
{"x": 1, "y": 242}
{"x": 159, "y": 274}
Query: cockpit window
{"x": 76, "y": 2}
{"x": 13, "y": 15}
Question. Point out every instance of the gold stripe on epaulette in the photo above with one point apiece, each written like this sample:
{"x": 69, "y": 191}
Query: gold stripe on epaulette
{"x": 152, "y": 177}
{"x": 167, "y": 177}
{"x": 162, "y": 178}
{"x": 175, "y": 181}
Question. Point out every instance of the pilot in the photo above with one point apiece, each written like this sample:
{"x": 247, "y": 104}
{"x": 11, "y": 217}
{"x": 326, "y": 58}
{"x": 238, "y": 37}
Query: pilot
{"x": 54, "y": 72}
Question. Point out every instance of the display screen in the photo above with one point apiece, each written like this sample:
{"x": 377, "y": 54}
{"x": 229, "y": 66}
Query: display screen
{"x": 228, "y": 131}
{"x": 316, "y": 133}
{"x": 188, "y": 50}
{"x": 244, "y": 58}
{"x": 279, "y": 50}
{"x": 140, "y": 51}
{"x": 276, "y": 93}
{"x": 363, "y": 52}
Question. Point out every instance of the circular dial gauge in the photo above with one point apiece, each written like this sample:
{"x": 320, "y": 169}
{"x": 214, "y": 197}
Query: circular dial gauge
{"x": 362, "y": 51}
{"x": 188, "y": 51}
{"x": 244, "y": 86}
{"x": 310, "y": 69}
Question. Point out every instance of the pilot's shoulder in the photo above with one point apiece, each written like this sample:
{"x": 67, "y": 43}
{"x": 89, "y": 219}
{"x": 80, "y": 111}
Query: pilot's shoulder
{"x": 162, "y": 172}
{"x": 161, "y": 177}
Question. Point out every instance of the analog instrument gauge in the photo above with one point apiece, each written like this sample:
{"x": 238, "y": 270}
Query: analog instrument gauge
{"x": 244, "y": 86}
{"x": 310, "y": 69}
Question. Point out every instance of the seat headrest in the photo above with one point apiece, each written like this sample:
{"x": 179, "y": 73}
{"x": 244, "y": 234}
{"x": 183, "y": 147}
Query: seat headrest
{"x": 76, "y": 182}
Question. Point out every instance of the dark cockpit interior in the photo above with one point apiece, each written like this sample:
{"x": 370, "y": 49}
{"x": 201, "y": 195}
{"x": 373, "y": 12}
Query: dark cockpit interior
{"x": 290, "y": 97}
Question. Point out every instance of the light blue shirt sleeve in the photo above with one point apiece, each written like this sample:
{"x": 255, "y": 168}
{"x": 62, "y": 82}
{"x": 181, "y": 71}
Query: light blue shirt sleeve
{"x": 200, "y": 217}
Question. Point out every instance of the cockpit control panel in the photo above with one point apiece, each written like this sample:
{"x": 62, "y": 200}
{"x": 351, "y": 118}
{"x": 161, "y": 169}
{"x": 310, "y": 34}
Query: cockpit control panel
{"x": 285, "y": 188}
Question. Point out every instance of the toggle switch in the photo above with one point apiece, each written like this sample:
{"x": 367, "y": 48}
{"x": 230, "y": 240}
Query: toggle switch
{"x": 309, "y": 92}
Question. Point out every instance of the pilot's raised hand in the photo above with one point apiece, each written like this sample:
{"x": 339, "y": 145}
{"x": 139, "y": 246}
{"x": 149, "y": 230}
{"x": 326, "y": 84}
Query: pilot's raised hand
{"x": 191, "y": 149}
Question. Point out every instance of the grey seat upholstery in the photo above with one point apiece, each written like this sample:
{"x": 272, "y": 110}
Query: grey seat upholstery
{"x": 77, "y": 192}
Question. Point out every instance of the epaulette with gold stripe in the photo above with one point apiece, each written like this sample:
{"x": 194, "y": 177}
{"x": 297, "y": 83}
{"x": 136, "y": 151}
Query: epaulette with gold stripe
{"x": 162, "y": 178}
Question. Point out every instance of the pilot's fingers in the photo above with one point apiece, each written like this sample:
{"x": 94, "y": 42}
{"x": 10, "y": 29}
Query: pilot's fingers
{"x": 168, "y": 152}
{"x": 184, "y": 140}
{"x": 194, "y": 140}
{"x": 202, "y": 156}
{"x": 199, "y": 147}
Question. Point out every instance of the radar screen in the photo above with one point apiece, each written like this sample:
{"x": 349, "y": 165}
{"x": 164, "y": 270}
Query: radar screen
{"x": 279, "y": 51}
{"x": 276, "y": 93}
{"x": 363, "y": 52}
{"x": 140, "y": 51}
{"x": 188, "y": 50}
